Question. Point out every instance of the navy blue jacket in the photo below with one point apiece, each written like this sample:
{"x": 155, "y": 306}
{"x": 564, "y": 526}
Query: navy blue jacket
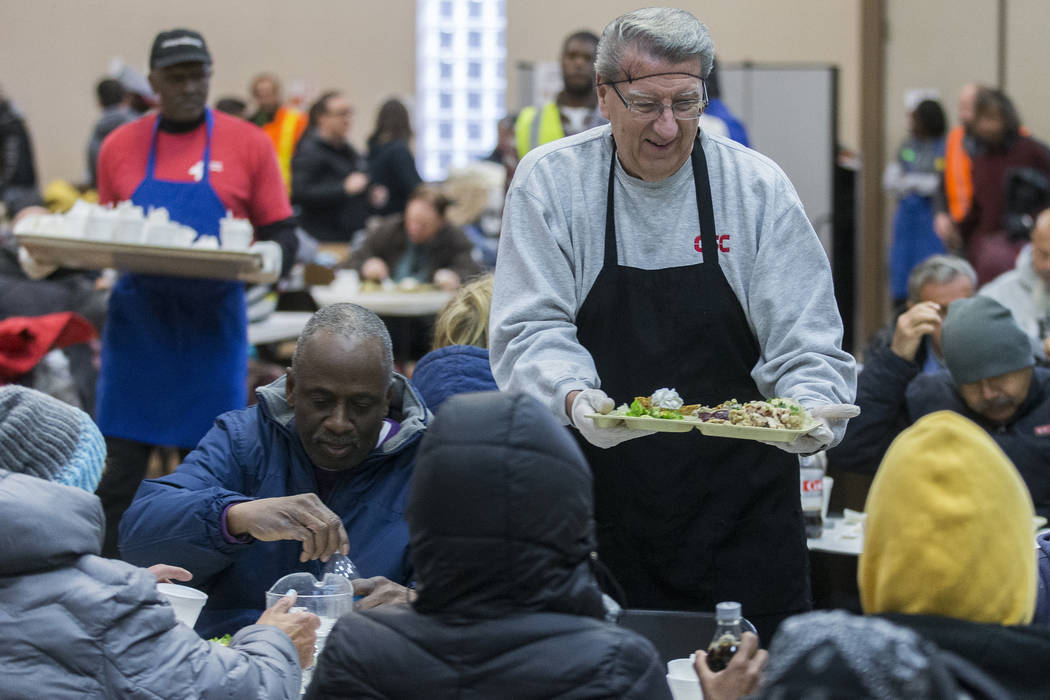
{"x": 892, "y": 395}
{"x": 455, "y": 369}
{"x": 256, "y": 453}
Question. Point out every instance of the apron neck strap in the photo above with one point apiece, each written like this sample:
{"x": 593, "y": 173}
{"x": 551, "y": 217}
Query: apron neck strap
{"x": 610, "y": 218}
{"x": 704, "y": 208}
{"x": 705, "y": 211}
{"x": 151, "y": 159}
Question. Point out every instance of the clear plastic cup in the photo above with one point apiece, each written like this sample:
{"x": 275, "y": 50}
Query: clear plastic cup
{"x": 185, "y": 601}
{"x": 329, "y": 599}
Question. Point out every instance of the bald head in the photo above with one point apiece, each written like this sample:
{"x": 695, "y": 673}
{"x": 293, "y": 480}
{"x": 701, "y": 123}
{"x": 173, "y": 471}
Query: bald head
{"x": 1041, "y": 246}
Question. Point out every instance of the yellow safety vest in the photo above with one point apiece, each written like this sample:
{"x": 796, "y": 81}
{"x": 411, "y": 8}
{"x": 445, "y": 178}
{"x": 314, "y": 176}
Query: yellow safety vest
{"x": 530, "y": 132}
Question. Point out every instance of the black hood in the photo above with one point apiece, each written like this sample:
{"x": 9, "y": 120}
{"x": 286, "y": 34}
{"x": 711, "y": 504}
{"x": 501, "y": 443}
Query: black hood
{"x": 501, "y": 513}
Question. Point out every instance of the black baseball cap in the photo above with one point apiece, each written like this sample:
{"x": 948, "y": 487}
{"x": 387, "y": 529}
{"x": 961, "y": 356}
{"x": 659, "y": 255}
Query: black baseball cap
{"x": 178, "y": 46}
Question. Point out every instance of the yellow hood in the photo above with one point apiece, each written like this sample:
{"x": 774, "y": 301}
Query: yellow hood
{"x": 949, "y": 528}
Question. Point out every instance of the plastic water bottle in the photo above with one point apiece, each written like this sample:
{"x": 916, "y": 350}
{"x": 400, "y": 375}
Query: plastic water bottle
{"x": 727, "y": 635}
{"x": 811, "y": 486}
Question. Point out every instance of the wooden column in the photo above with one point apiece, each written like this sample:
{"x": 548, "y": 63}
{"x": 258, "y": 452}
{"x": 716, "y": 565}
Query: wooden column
{"x": 871, "y": 265}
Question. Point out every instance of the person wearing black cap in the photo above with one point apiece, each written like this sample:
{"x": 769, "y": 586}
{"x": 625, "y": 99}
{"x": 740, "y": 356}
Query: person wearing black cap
{"x": 991, "y": 378}
{"x": 175, "y": 350}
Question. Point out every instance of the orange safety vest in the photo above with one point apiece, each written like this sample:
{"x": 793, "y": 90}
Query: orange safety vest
{"x": 284, "y": 131}
{"x": 958, "y": 174}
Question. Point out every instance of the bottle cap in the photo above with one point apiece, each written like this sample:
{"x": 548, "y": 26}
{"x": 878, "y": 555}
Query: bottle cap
{"x": 727, "y": 611}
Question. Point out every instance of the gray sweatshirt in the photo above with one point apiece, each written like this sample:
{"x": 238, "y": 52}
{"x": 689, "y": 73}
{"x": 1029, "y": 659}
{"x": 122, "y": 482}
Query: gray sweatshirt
{"x": 552, "y": 248}
{"x": 1026, "y": 295}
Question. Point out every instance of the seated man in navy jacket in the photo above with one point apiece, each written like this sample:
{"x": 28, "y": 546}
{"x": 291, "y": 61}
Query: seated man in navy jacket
{"x": 991, "y": 378}
{"x": 320, "y": 465}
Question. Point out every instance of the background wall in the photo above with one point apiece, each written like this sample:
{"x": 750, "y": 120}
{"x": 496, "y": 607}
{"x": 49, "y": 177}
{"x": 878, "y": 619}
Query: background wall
{"x": 809, "y": 31}
{"x": 945, "y": 44}
{"x": 53, "y": 51}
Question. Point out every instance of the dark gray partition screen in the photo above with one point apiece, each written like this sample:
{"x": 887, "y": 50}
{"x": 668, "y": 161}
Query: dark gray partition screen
{"x": 790, "y": 112}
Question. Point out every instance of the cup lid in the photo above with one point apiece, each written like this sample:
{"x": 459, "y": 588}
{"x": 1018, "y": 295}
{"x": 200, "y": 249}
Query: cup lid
{"x": 304, "y": 584}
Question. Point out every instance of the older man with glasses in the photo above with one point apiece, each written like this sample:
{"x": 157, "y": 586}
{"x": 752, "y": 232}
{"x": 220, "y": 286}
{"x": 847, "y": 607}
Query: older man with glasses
{"x": 649, "y": 254}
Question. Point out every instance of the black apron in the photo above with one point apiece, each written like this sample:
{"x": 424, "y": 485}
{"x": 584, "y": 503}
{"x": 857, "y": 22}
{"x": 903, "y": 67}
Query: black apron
{"x": 685, "y": 521}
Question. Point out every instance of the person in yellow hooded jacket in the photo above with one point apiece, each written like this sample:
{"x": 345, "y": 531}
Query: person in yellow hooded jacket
{"x": 949, "y": 553}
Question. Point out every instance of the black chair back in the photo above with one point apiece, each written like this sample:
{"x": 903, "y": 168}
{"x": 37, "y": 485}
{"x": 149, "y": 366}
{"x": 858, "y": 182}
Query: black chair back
{"x": 675, "y": 633}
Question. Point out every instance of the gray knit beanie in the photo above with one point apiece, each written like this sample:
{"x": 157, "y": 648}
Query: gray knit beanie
{"x": 980, "y": 339}
{"x": 49, "y": 439}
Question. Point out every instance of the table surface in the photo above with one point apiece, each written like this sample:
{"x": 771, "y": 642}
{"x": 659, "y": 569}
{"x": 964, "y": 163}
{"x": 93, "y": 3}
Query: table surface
{"x": 839, "y": 537}
{"x": 286, "y": 325}
{"x": 384, "y": 302}
{"x": 278, "y": 326}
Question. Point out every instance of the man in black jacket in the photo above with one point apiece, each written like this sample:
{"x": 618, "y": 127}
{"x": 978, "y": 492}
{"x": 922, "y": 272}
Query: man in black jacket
{"x": 329, "y": 182}
{"x": 991, "y": 379}
{"x": 501, "y": 525}
{"x": 18, "y": 185}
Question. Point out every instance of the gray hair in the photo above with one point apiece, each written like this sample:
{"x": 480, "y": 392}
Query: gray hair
{"x": 352, "y": 322}
{"x": 665, "y": 33}
{"x": 938, "y": 269}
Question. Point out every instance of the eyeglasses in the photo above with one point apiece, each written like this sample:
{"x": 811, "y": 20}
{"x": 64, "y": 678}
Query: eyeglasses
{"x": 650, "y": 110}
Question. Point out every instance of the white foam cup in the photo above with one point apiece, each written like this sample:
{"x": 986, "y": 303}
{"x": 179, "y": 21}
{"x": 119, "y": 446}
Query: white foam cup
{"x": 236, "y": 234}
{"x": 683, "y": 681}
{"x": 185, "y": 601}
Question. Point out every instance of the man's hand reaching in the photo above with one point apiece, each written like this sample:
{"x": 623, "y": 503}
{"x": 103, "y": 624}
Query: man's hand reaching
{"x": 379, "y": 590}
{"x": 302, "y": 517}
{"x": 166, "y": 573}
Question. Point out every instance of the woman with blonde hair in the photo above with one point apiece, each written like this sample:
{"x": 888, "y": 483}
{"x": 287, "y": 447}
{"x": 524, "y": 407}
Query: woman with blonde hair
{"x": 459, "y": 360}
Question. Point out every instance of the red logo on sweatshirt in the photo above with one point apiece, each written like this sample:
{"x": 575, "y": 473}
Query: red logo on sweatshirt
{"x": 1042, "y": 430}
{"x": 723, "y": 244}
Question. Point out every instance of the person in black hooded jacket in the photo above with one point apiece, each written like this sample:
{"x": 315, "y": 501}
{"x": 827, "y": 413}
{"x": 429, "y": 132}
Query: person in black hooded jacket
{"x": 501, "y": 524}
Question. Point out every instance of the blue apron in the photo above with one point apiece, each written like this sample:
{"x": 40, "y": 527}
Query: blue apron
{"x": 174, "y": 349}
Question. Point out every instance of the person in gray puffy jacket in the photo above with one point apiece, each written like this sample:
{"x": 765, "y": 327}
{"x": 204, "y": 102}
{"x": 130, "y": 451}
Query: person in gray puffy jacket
{"x": 76, "y": 625}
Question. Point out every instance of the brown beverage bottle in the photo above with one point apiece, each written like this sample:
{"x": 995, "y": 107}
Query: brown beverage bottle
{"x": 727, "y": 636}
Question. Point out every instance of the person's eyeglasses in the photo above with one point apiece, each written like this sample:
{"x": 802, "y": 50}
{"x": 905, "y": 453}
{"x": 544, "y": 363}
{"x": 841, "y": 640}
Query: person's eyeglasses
{"x": 650, "y": 110}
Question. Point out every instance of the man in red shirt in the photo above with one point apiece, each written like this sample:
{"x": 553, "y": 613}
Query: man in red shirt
{"x": 174, "y": 349}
